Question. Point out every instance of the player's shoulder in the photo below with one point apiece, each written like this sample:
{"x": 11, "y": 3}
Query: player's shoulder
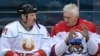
{"x": 12, "y": 24}
{"x": 10, "y": 29}
{"x": 87, "y": 22}
{"x": 59, "y": 23}
{"x": 42, "y": 29}
{"x": 41, "y": 26}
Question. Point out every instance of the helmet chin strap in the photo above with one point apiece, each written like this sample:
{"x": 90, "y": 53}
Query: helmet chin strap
{"x": 26, "y": 15}
{"x": 37, "y": 24}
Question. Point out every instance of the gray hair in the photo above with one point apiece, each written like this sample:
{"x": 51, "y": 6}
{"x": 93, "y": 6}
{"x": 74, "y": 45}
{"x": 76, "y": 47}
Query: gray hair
{"x": 73, "y": 8}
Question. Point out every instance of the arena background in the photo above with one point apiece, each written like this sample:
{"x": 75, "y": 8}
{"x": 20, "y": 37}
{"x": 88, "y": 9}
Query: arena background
{"x": 49, "y": 11}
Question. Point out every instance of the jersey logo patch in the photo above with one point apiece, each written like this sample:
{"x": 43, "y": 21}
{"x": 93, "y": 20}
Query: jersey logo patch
{"x": 28, "y": 44}
{"x": 75, "y": 46}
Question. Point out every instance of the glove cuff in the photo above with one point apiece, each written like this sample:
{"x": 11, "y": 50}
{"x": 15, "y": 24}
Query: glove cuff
{"x": 9, "y": 53}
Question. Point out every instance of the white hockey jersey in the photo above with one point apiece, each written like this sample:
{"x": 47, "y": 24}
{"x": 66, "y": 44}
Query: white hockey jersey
{"x": 76, "y": 47}
{"x": 14, "y": 37}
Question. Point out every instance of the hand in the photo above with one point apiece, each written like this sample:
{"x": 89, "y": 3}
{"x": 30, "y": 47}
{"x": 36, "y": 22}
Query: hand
{"x": 85, "y": 32}
{"x": 11, "y": 53}
{"x": 71, "y": 35}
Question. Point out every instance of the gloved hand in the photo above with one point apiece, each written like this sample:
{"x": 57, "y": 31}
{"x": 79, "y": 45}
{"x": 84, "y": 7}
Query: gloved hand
{"x": 11, "y": 53}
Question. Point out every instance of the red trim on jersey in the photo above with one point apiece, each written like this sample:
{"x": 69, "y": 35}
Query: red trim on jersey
{"x": 41, "y": 53}
{"x": 61, "y": 27}
{"x": 53, "y": 53}
{"x": 9, "y": 53}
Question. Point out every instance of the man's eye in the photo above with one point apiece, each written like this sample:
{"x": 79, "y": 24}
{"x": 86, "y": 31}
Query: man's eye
{"x": 67, "y": 17}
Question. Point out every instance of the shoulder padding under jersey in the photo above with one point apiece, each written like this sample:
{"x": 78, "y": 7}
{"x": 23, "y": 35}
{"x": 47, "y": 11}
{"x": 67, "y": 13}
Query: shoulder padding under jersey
{"x": 10, "y": 30}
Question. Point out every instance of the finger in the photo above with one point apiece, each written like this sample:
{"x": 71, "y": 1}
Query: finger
{"x": 72, "y": 33}
{"x": 81, "y": 32}
{"x": 84, "y": 27}
{"x": 77, "y": 30}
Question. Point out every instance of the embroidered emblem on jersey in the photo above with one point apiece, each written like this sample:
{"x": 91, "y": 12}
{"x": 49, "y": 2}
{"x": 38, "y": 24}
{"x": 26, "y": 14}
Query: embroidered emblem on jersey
{"x": 75, "y": 46}
{"x": 28, "y": 44}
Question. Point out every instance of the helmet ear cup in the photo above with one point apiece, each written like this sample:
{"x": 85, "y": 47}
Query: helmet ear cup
{"x": 23, "y": 18}
{"x": 26, "y": 8}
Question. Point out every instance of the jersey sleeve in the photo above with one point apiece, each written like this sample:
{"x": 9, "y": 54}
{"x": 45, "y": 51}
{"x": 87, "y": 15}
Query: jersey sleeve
{"x": 95, "y": 30}
{"x": 93, "y": 44}
{"x": 48, "y": 45}
{"x": 60, "y": 46}
{"x": 55, "y": 46}
{"x": 6, "y": 40}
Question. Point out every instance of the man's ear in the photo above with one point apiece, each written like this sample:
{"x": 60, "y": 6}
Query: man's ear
{"x": 23, "y": 17}
{"x": 77, "y": 17}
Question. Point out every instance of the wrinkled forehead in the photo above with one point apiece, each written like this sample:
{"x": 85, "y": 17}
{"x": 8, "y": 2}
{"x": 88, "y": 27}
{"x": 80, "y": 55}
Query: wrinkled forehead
{"x": 69, "y": 14}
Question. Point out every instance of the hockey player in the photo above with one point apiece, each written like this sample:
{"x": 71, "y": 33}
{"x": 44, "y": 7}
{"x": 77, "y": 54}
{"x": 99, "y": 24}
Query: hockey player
{"x": 75, "y": 43}
{"x": 23, "y": 37}
{"x": 74, "y": 36}
{"x": 72, "y": 20}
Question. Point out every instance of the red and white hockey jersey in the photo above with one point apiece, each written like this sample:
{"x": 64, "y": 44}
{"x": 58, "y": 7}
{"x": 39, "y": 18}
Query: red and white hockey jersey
{"x": 60, "y": 31}
{"x": 14, "y": 37}
{"x": 76, "y": 47}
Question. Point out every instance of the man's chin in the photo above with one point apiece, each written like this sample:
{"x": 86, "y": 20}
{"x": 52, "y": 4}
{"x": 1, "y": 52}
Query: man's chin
{"x": 68, "y": 25}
